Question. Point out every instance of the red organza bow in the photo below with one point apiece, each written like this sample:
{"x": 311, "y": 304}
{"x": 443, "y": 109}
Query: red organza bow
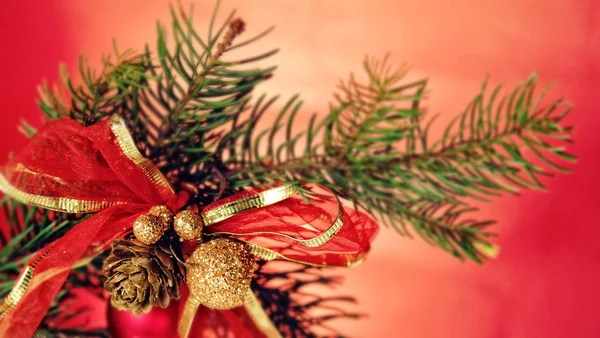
{"x": 69, "y": 168}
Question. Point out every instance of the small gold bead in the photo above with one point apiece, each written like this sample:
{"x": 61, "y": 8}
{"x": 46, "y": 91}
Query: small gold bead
{"x": 219, "y": 273}
{"x": 165, "y": 215}
{"x": 148, "y": 229}
{"x": 188, "y": 225}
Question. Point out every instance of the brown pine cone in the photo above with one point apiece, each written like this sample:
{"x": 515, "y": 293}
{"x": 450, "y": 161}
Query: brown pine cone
{"x": 140, "y": 276}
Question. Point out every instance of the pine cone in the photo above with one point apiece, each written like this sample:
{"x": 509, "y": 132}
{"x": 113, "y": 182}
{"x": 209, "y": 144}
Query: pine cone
{"x": 140, "y": 276}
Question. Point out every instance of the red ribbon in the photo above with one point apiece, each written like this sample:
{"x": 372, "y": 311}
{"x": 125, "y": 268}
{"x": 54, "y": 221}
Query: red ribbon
{"x": 65, "y": 160}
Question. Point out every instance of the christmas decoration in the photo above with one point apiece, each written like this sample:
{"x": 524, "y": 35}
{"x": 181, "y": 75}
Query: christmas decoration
{"x": 164, "y": 214}
{"x": 140, "y": 277}
{"x": 219, "y": 273}
{"x": 148, "y": 229}
{"x": 188, "y": 225}
{"x": 156, "y": 177}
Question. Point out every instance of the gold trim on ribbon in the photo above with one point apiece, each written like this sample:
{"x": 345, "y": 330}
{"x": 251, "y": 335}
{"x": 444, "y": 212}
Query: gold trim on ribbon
{"x": 63, "y": 204}
{"x": 16, "y": 294}
{"x": 314, "y": 242}
{"x": 328, "y": 234}
{"x": 187, "y": 318}
{"x": 24, "y": 283}
{"x": 268, "y": 255}
{"x": 127, "y": 145}
{"x": 259, "y": 200}
{"x": 323, "y": 237}
{"x": 72, "y": 205}
{"x": 259, "y": 316}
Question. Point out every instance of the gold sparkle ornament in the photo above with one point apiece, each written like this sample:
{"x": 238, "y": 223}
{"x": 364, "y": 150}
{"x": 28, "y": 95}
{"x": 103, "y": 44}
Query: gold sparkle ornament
{"x": 165, "y": 215}
{"x": 148, "y": 229}
{"x": 219, "y": 273}
{"x": 188, "y": 225}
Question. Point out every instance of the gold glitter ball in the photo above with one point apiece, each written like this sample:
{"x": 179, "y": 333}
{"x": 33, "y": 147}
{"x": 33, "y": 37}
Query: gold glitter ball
{"x": 165, "y": 215}
{"x": 219, "y": 273}
{"x": 148, "y": 229}
{"x": 188, "y": 225}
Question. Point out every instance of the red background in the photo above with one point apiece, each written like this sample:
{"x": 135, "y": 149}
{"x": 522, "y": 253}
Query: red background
{"x": 544, "y": 284}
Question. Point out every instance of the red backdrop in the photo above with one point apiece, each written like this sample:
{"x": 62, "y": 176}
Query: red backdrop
{"x": 544, "y": 284}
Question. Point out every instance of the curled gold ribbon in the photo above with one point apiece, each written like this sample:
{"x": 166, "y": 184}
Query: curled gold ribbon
{"x": 16, "y": 294}
{"x": 279, "y": 194}
{"x": 270, "y": 255}
{"x": 187, "y": 318}
{"x": 128, "y": 147}
{"x": 218, "y": 214}
{"x": 63, "y": 204}
{"x": 259, "y": 200}
{"x": 259, "y": 316}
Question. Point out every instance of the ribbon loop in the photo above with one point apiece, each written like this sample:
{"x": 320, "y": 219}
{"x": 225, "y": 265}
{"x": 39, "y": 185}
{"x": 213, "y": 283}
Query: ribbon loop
{"x": 229, "y": 207}
{"x": 319, "y": 232}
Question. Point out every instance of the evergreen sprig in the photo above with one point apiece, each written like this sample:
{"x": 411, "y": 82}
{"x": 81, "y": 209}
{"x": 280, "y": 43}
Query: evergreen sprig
{"x": 374, "y": 148}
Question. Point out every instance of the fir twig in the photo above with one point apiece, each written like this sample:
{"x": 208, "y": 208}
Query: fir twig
{"x": 374, "y": 148}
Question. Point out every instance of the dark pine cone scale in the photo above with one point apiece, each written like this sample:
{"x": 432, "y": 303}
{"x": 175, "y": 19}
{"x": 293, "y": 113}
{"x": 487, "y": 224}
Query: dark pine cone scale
{"x": 140, "y": 276}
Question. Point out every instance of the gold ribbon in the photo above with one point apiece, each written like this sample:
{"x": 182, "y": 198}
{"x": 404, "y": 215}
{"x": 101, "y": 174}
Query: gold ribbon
{"x": 63, "y": 204}
{"x": 187, "y": 317}
{"x": 260, "y": 317}
{"x": 16, "y": 294}
{"x": 259, "y": 200}
{"x": 128, "y": 147}
{"x": 267, "y": 198}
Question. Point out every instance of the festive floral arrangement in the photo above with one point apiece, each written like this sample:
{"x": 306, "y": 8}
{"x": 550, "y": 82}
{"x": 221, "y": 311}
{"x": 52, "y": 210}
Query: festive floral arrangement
{"x": 150, "y": 184}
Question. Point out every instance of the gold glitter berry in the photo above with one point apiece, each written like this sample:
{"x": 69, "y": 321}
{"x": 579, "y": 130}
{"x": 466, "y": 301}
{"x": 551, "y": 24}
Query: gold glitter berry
{"x": 148, "y": 229}
{"x": 219, "y": 273}
{"x": 165, "y": 215}
{"x": 188, "y": 225}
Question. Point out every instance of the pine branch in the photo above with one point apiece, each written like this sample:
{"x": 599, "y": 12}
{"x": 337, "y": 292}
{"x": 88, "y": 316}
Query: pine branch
{"x": 375, "y": 149}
